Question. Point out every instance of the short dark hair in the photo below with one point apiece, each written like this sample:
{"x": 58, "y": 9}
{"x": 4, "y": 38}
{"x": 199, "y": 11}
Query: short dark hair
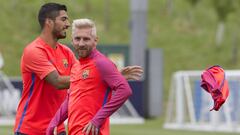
{"x": 49, "y": 10}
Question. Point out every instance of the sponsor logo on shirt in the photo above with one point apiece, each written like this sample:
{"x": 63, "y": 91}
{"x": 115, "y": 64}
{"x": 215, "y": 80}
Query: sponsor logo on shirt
{"x": 85, "y": 73}
{"x": 65, "y": 63}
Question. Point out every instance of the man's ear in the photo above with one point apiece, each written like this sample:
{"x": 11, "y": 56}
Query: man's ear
{"x": 72, "y": 40}
{"x": 49, "y": 22}
{"x": 96, "y": 39}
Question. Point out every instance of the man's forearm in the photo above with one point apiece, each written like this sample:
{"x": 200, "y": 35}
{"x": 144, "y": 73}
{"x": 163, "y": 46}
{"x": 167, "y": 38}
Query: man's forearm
{"x": 119, "y": 97}
{"x": 63, "y": 82}
{"x": 58, "y": 81}
{"x": 60, "y": 116}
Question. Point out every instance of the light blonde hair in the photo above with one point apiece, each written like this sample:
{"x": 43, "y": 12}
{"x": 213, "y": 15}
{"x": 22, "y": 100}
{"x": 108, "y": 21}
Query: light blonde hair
{"x": 84, "y": 23}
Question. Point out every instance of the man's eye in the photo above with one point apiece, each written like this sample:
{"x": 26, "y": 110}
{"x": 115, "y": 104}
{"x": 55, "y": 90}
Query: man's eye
{"x": 64, "y": 18}
{"x": 77, "y": 38}
{"x": 85, "y": 39}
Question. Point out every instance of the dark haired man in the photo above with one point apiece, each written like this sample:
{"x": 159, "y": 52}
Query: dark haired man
{"x": 45, "y": 68}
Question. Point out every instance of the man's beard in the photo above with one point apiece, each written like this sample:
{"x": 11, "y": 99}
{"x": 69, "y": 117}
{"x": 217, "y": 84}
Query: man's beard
{"x": 84, "y": 52}
{"x": 59, "y": 35}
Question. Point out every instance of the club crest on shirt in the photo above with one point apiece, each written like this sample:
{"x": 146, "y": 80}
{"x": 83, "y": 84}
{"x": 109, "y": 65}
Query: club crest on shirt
{"x": 85, "y": 73}
{"x": 65, "y": 63}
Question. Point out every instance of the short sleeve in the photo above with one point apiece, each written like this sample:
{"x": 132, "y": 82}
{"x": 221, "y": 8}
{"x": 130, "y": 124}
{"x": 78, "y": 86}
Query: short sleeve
{"x": 36, "y": 61}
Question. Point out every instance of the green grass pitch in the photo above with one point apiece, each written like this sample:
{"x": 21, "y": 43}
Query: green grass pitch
{"x": 150, "y": 127}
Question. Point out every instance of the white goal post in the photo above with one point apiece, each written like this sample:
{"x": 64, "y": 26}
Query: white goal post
{"x": 189, "y": 105}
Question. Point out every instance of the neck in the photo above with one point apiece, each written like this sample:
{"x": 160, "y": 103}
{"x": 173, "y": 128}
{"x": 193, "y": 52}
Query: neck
{"x": 49, "y": 38}
{"x": 91, "y": 54}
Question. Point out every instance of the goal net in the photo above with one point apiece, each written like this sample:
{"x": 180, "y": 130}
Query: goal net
{"x": 189, "y": 105}
{"x": 127, "y": 114}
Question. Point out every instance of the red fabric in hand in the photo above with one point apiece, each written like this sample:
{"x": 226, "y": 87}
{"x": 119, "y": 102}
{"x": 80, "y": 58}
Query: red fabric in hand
{"x": 214, "y": 82}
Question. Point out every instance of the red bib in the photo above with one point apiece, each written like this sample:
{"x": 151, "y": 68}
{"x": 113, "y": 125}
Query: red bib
{"x": 214, "y": 82}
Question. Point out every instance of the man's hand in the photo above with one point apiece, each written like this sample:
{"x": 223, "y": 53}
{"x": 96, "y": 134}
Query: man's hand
{"x": 90, "y": 128}
{"x": 51, "y": 131}
{"x": 55, "y": 131}
{"x": 132, "y": 72}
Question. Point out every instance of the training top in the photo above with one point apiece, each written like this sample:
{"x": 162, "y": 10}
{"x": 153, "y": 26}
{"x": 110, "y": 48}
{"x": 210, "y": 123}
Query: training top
{"x": 90, "y": 97}
{"x": 40, "y": 100}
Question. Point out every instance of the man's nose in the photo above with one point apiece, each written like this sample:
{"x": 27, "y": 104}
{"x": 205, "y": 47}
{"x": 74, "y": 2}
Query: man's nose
{"x": 68, "y": 24}
{"x": 81, "y": 43}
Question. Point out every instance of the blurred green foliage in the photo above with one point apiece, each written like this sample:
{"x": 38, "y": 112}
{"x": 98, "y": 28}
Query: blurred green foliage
{"x": 187, "y": 45}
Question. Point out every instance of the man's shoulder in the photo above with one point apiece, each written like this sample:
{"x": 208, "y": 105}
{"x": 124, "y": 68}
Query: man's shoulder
{"x": 33, "y": 46}
{"x": 103, "y": 62}
{"x": 101, "y": 58}
{"x": 64, "y": 47}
